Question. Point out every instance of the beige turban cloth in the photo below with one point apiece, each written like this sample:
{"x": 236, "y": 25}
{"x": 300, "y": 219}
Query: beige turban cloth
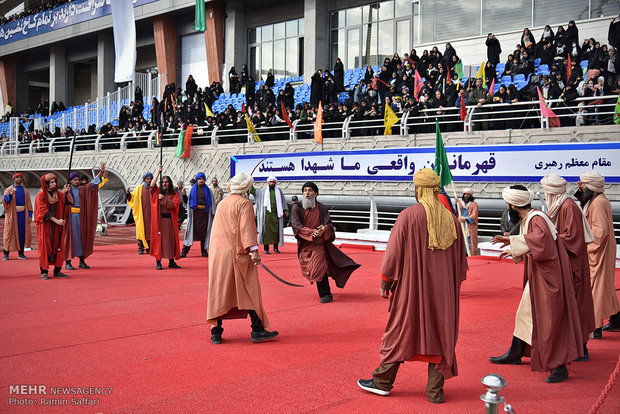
{"x": 469, "y": 191}
{"x": 555, "y": 193}
{"x": 240, "y": 184}
{"x": 271, "y": 179}
{"x": 439, "y": 221}
{"x": 593, "y": 180}
{"x": 517, "y": 198}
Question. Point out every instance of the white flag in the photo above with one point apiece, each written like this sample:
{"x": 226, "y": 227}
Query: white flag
{"x": 124, "y": 26}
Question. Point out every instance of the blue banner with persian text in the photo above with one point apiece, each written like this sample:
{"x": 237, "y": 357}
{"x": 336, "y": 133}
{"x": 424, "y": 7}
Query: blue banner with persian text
{"x": 62, "y": 16}
{"x": 488, "y": 163}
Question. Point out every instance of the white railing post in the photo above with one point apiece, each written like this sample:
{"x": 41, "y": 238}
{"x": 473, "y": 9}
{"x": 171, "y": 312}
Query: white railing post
{"x": 373, "y": 222}
{"x": 118, "y": 101}
{"x": 293, "y": 133}
{"x": 51, "y": 145}
{"x": 149, "y": 140}
{"x": 346, "y": 131}
{"x": 404, "y": 121}
{"x": 214, "y": 138}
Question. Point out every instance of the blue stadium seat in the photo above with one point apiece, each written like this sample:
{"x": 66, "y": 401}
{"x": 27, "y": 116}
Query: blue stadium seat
{"x": 500, "y": 68}
{"x": 296, "y": 79}
{"x": 543, "y": 68}
{"x": 521, "y": 85}
{"x": 496, "y": 87}
{"x": 536, "y": 63}
{"x": 519, "y": 77}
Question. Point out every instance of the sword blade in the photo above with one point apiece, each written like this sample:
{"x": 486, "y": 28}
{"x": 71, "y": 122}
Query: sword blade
{"x": 278, "y": 277}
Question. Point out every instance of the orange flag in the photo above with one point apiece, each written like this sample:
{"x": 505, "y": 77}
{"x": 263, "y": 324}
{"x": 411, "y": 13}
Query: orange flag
{"x": 187, "y": 141}
{"x": 318, "y": 125}
{"x": 285, "y": 116}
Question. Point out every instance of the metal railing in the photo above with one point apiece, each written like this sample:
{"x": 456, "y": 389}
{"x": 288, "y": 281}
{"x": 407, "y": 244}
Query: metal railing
{"x": 493, "y": 116}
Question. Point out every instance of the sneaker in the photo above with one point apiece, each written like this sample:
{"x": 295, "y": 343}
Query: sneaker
{"x": 60, "y": 275}
{"x": 140, "y": 251}
{"x": 267, "y": 252}
{"x": 69, "y": 266}
{"x": 369, "y": 385}
{"x": 205, "y": 254}
{"x": 216, "y": 339}
{"x": 184, "y": 252}
{"x": 173, "y": 265}
{"x": 83, "y": 265}
{"x": 44, "y": 276}
{"x": 158, "y": 267}
{"x": 275, "y": 249}
{"x": 21, "y": 256}
{"x": 263, "y": 336}
{"x": 326, "y": 299}
{"x": 6, "y": 256}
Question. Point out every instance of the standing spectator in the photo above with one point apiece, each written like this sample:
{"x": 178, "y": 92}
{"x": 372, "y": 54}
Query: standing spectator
{"x": 190, "y": 87}
{"x": 316, "y": 88}
{"x": 270, "y": 80}
{"x": 339, "y": 75}
{"x": 216, "y": 191}
{"x": 527, "y": 40}
{"x": 493, "y": 49}
{"x": 469, "y": 215}
{"x": 572, "y": 33}
{"x": 233, "y": 81}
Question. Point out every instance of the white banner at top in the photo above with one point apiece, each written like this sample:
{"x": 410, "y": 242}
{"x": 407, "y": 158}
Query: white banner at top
{"x": 488, "y": 163}
{"x": 124, "y": 28}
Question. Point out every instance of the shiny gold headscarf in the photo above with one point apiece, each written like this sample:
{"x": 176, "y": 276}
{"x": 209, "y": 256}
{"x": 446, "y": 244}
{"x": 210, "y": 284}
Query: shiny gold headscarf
{"x": 439, "y": 221}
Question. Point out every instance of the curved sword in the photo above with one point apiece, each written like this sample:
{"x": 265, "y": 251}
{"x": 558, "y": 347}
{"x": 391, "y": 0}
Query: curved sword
{"x": 278, "y": 277}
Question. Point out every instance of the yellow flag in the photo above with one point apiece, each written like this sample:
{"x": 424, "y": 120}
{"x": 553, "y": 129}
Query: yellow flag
{"x": 481, "y": 75}
{"x": 389, "y": 120}
{"x": 318, "y": 125}
{"x": 208, "y": 111}
{"x": 251, "y": 129}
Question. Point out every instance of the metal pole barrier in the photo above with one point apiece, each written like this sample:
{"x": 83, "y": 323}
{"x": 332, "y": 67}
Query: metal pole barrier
{"x": 494, "y": 384}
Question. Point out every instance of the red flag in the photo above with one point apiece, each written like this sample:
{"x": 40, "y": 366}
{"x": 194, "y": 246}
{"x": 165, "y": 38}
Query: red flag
{"x": 285, "y": 116}
{"x": 492, "y": 88}
{"x": 417, "y": 85}
{"x": 187, "y": 141}
{"x": 569, "y": 69}
{"x": 545, "y": 111}
{"x": 463, "y": 108}
{"x": 243, "y": 107}
{"x": 449, "y": 79}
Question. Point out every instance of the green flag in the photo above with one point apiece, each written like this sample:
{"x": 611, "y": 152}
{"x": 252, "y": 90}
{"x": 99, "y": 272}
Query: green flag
{"x": 442, "y": 168}
{"x": 458, "y": 68}
{"x": 617, "y": 112}
{"x": 200, "y": 20}
{"x": 181, "y": 144}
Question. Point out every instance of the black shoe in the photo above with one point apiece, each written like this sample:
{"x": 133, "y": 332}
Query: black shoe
{"x": 173, "y": 265}
{"x": 60, "y": 275}
{"x": 184, "y": 252}
{"x": 514, "y": 354}
{"x": 263, "y": 336}
{"x": 205, "y": 253}
{"x": 20, "y": 256}
{"x": 140, "y": 251}
{"x": 44, "y": 276}
{"x": 6, "y": 256}
{"x": 614, "y": 323}
{"x": 369, "y": 385}
{"x": 83, "y": 265}
{"x": 326, "y": 299}
{"x": 267, "y": 252}
{"x": 148, "y": 251}
{"x": 69, "y": 266}
{"x": 598, "y": 334}
{"x": 275, "y": 249}
{"x": 557, "y": 375}
{"x": 158, "y": 267}
{"x": 216, "y": 339}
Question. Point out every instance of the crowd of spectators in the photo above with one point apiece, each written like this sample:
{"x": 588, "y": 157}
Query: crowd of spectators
{"x": 394, "y": 84}
{"x": 41, "y": 6}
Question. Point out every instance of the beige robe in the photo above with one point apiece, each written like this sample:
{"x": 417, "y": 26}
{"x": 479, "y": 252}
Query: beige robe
{"x": 234, "y": 288}
{"x": 602, "y": 257}
{"x": 11, "y": 235}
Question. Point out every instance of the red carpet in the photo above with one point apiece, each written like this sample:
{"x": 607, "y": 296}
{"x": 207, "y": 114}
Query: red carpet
{"x": 142, "y": 332}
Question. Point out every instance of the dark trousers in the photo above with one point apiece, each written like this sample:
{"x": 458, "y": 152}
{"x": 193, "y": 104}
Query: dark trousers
{"x": 202, "y": 247}
{"x": 385, "y": 375}
{"x": 141, "y": 245}
{"x": 275, "y": 247}
{"x": 257, "y": 324}
{"x": 323, "y": 286}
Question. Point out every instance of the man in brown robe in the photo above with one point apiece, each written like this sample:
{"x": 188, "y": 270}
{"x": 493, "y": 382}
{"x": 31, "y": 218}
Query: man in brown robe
{"x": 164, "y": 222}
{"x": 574, "y": 231}
{"x": 318, "y": 257}
{"x": 547, "y": 318}
{"x": 424, "y": 265}
{"x": 234, "y": 289}
{"x": 82, "y": 222}
{"x": 601, "y": 253}
{"x": 469, "y": 215}
{"x": 17, "y": 218}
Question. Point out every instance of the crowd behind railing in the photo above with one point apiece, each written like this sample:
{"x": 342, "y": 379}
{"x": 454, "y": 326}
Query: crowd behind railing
{"x": 579, "y": 82}
{"x": 38, "y": 7}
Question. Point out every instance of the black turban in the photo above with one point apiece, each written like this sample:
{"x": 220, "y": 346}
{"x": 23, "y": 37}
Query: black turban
{"x": 311, "y": 185}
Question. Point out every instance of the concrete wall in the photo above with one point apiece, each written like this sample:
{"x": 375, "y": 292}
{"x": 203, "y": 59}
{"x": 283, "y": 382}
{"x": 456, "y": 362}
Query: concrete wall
{"x": 215, "y": 161}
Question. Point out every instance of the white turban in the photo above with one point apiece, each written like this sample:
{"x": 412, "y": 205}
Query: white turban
{"x": 272, "y": 178}
{"x": 240, "y": 184}
{"x": 593, "y": 180}
{"x": 553, "y": 184}
{"x": 469, "y": 191}
{"x": 516, "y": 197}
